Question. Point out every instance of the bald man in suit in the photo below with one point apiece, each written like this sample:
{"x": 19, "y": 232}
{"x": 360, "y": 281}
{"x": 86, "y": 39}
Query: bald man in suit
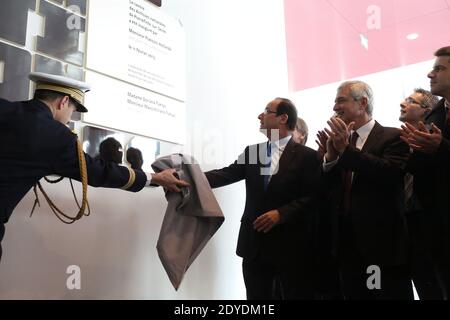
{"x": 275, "y": 234}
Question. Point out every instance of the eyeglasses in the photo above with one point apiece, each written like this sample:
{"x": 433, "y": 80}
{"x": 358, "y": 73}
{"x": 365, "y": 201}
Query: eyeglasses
{"x": 410, "y": 101}
{"x": 267, "y": 111}
{"x": 344, "y": 100}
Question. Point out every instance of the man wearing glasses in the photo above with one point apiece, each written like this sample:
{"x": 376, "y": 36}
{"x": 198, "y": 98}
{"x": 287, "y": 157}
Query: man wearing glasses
{"x": 413, "y": 110}
{"x": 415, "y": 107}
{"x": 275, "y": 234}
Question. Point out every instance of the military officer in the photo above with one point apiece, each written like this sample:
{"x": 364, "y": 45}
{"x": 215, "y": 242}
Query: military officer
{"x": 35, "y": 142}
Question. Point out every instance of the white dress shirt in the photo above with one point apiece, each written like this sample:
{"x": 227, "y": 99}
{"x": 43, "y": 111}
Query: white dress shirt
{"x": 277, "y": 148}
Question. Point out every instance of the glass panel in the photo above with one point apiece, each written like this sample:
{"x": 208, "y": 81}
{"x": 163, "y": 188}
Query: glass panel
{"x": 93, "y": 137}
{"x": 16, "y": 65}
{"x": 81, "y": 4}
{"x": 47, "y": 65}
{"x": 149, "y": 149}
{"x": 62, "y": 34}
{"x": 14, "y": 18}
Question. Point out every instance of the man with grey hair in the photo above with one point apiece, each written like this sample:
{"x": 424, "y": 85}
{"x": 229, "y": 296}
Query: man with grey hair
{"x": 300, "y": 134}
{"x": 413, "y": 110}
{"x": 416, "y": 106}
{"x": 429, "y": 163}
{"x": 364, "y": 178}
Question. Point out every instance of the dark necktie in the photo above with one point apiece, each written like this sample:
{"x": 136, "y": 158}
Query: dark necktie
{"x": 267, "y": 165}
{"x": 347, "y": 178}
{"x": 408, "y": 190}
{"x": 447, "y": 121}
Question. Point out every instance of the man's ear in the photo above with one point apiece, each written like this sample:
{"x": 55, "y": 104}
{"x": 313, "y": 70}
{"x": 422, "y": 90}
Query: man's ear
{"x": 364, "y": 103}
{"x": 426, "y": 112}
{"x": 63, "y": 101}
{"x": 284, "y": 118}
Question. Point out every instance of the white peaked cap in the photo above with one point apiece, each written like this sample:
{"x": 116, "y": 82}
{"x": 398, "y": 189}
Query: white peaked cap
{"x": 73, "y": 88}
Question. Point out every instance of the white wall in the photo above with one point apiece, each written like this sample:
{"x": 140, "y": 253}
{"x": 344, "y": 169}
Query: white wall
{"x": 236, "y": 63}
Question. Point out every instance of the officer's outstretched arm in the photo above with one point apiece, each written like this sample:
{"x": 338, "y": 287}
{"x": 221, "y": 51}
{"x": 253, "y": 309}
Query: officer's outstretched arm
{"x": 167, "y": 179}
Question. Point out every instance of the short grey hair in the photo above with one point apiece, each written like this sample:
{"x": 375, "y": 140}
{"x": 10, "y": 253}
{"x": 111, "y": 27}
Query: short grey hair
{"x": 429, "y": 100}
{"x": 358, "y": 90}
{"x": 302, "y": 127}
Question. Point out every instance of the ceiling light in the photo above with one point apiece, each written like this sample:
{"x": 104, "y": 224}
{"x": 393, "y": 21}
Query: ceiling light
{"x": 364, "y": 41}
{"x": 412, "y": 36}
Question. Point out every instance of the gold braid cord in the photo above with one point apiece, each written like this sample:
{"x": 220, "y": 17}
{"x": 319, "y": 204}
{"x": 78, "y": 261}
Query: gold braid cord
{"x": 131, "y": 179}
{"x": 84, "y": 203}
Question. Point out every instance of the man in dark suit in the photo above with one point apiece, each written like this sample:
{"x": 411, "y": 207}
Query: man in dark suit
{"x": 275, "y": 234}
{"x": 365, "y": 177}
{"x": 429, "y": 164}
{"x": 423, "y": 272}
{"x": 35, "y": 142}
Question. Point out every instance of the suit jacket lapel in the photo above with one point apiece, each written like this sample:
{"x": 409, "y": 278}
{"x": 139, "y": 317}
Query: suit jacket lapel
{"x": 438, "y": 116}
{"x": 372, "y": 139}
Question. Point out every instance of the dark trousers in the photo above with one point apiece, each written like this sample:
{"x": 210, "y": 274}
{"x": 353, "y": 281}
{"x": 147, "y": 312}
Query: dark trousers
{"x": 440, "y": 252}
{"x": 266, "y": 281}
{"x": 2, "y": 233}
{"x": 327, "y": 285}
{"x": 328, "y": 281}
{"x": 395, "y": 282}
{"x": 425, "y": 272}
{"x": 442, "y": 265}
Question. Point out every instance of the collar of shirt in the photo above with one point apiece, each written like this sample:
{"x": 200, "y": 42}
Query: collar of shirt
{"x": 363, "y": 133}
{"x": 277, "y": 148}
{"x": 280, "y": 144}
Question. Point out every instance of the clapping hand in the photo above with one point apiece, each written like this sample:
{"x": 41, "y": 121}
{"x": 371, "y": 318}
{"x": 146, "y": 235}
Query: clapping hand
{"x": 420, "y": 138}
{"x": 322, "y": 137}
{"x": 339, "y": 133}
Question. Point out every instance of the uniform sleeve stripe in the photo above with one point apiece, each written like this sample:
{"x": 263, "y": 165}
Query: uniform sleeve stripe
{"x": 131, "y": 179}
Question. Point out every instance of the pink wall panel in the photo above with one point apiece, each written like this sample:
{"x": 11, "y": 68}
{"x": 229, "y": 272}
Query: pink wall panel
{"x": 323, "y": 37}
